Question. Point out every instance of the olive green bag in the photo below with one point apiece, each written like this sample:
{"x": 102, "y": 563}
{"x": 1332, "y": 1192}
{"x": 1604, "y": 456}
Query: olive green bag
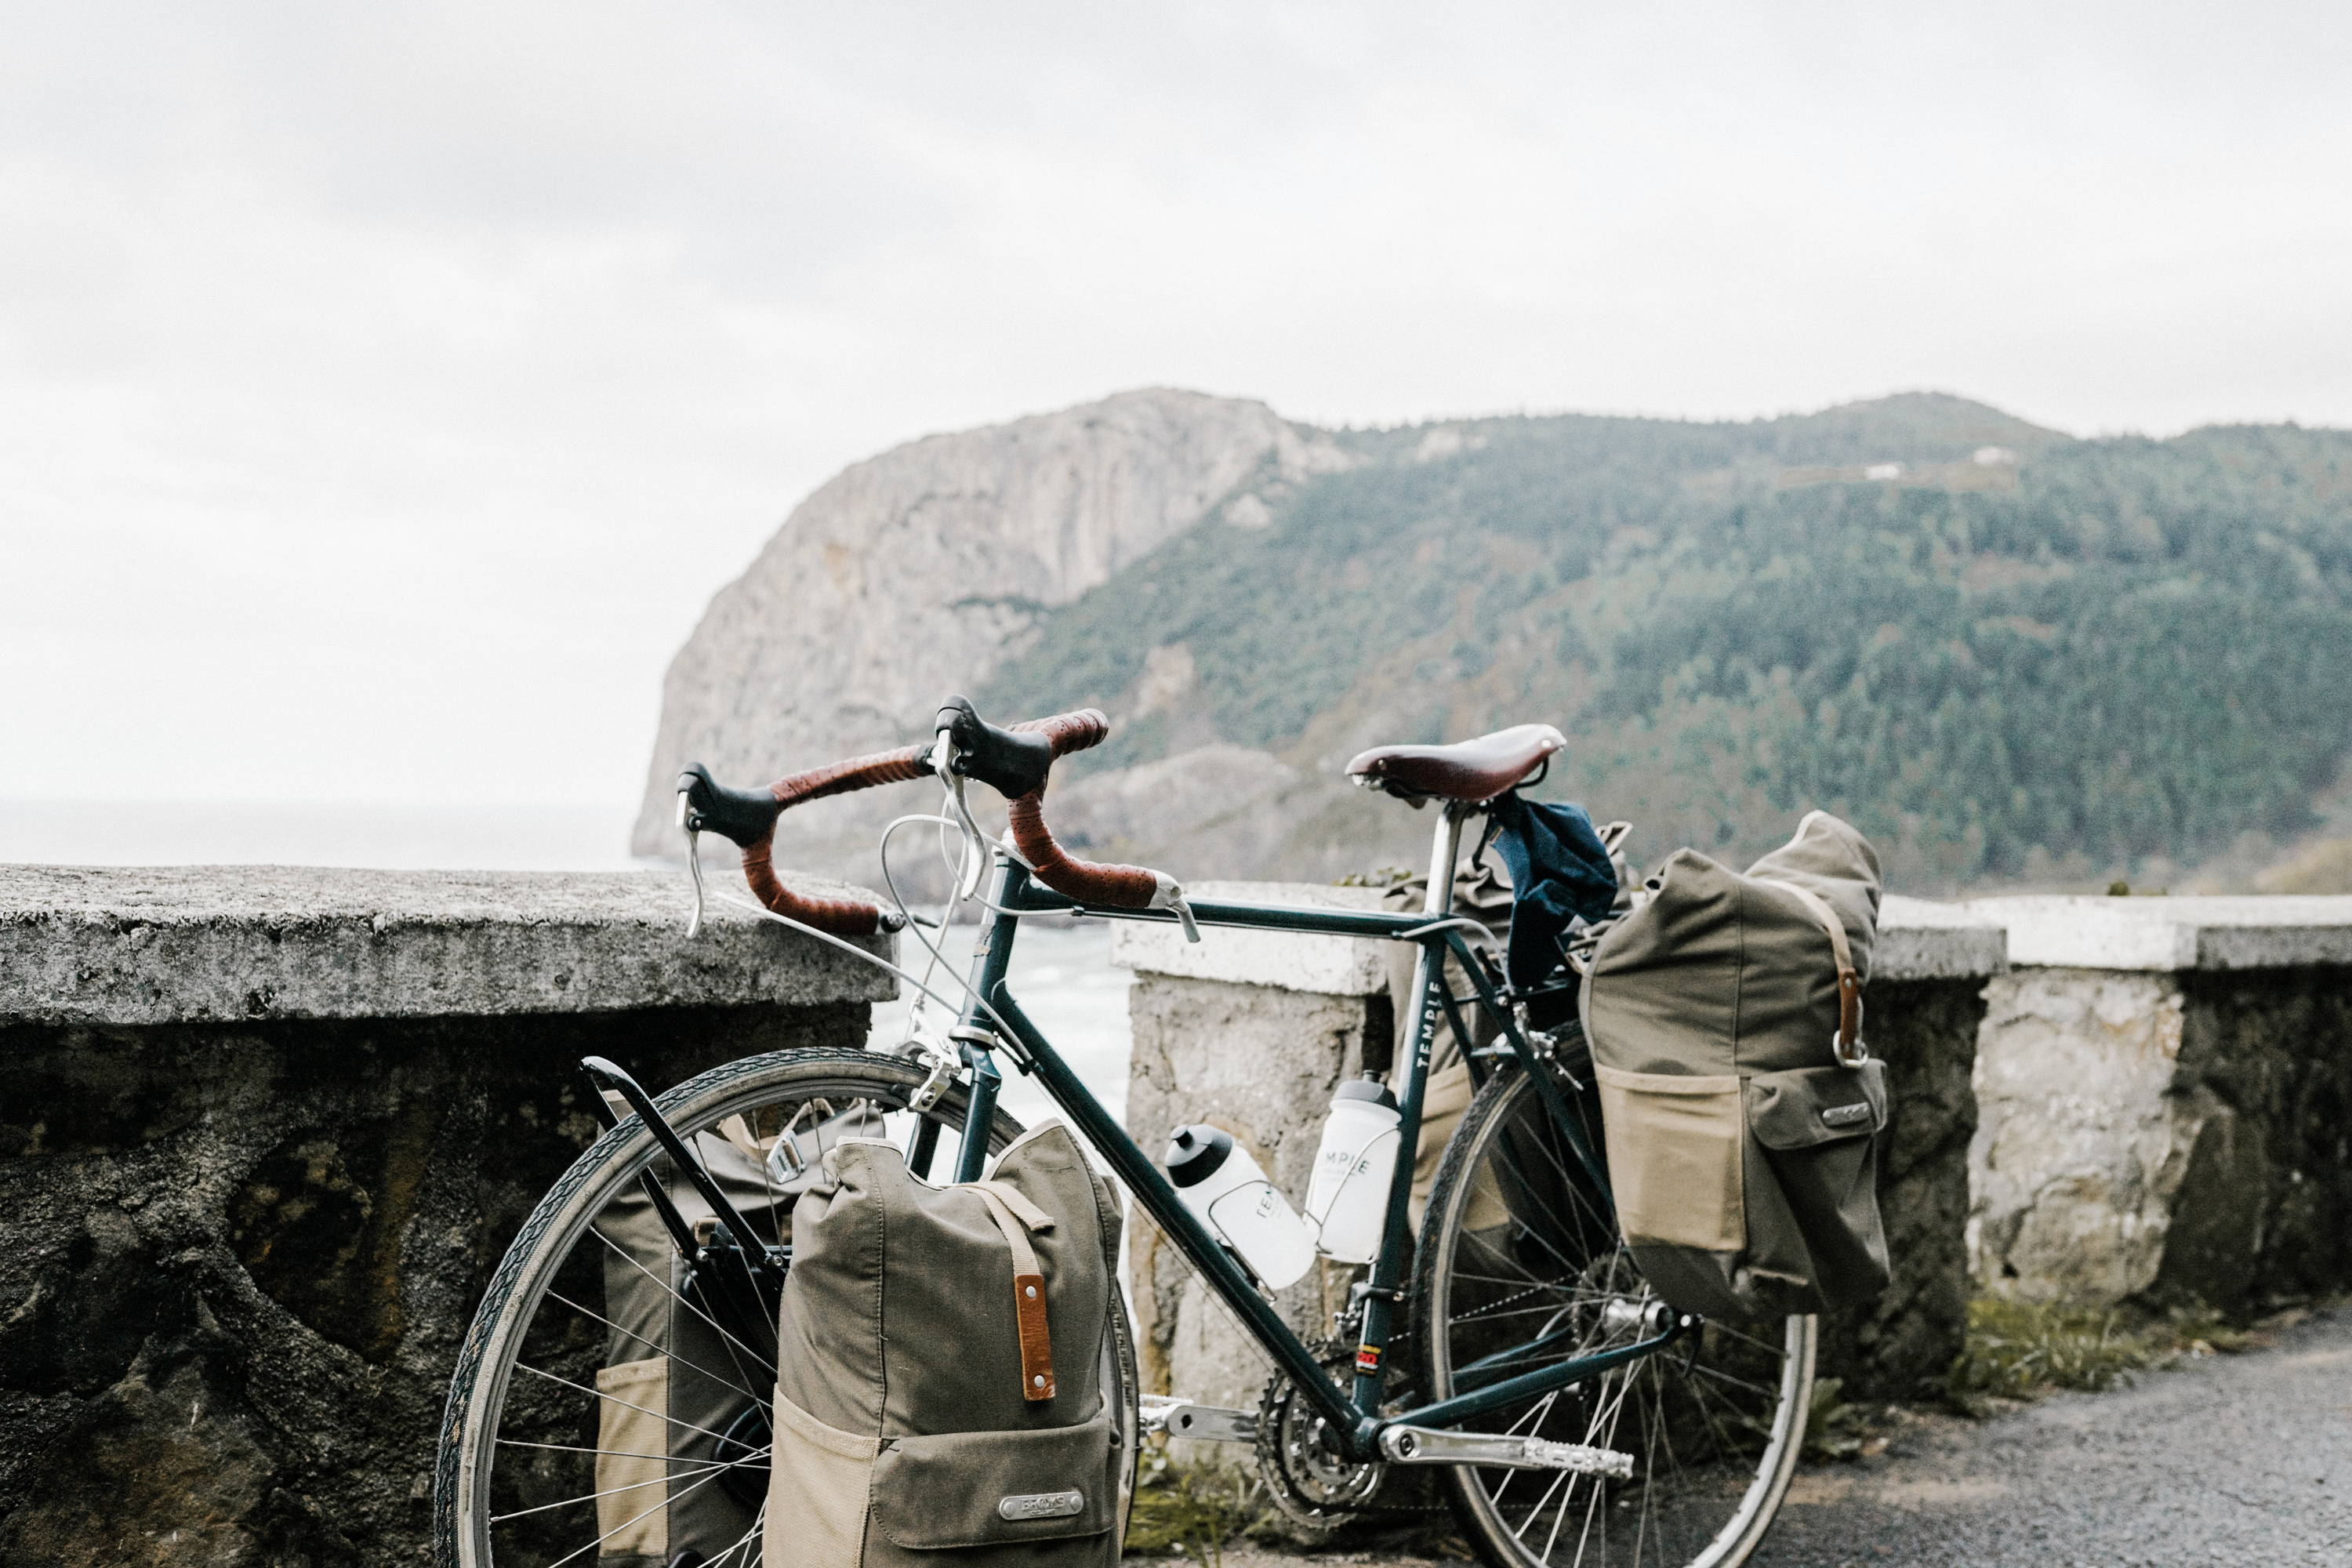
{"x": 940, "y": 1397}
{"x": 1741, "y": 1109}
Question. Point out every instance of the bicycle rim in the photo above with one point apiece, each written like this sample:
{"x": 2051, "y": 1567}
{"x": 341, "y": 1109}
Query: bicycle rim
{"x": 1520, "y": 1251}
{"x": 529, "y": 1474}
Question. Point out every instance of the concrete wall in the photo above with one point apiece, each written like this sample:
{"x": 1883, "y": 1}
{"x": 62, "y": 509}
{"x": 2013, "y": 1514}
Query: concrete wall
{"x": 1252, "y": 1031}
{"x": 2164, "y": 1092}
{"x": 265, "y": 1133}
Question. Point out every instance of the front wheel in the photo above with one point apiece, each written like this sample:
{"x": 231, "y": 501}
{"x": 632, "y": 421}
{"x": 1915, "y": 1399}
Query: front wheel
{"x": 579, "y": 1431}
{"x": 1521, "y": 1267}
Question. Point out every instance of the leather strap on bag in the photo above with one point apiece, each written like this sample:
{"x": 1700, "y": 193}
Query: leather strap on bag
{"x": 1016, "y": 1217}
{"x": 1846, "y": 1044}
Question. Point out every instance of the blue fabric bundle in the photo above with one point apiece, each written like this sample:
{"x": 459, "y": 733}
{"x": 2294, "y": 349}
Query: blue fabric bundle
{"x": 1560, "y": 871}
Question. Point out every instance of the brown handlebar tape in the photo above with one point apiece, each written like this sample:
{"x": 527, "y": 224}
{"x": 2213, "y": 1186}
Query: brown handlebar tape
{"x": 858, "y": 773}
{"x": 840, "y": 917}
{"x": 1119, "y": 886}
{"x": 1070, "y": 732}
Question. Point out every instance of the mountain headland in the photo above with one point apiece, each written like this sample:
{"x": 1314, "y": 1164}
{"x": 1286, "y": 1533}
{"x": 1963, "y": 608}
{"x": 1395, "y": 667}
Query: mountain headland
{"x": 2011, "y": 655}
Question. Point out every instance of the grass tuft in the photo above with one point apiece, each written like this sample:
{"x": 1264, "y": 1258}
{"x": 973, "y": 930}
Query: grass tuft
{"x": 1834, "y": 1428}
{"x": 1195, "y": 1509}
{"x": 2020, "y": 1349}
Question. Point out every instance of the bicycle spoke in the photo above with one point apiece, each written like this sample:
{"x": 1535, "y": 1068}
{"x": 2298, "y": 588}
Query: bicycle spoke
{"x": 623, "y": 1253}
{"x": 599, "y": 1393}
{"x": 614, "y": 1491}
{"x": 1727, "y": 1328}
{"x": 743, "y": 1544}
{"x": 665, "y": 1502}
{"x": 1649, "y": 1468}
{"x": 1721, "y": 1376}
{"x": 657, "y": 1350}
{"x": 1536, "y": 1512}
{"x": 575, "y": 1449}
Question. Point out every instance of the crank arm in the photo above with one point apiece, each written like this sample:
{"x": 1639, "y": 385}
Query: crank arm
{"x": 1199, "y": 1423}
{"x": 1403, "y": 1444}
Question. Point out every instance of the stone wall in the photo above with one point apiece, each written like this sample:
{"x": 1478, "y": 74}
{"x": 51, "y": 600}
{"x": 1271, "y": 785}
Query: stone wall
{"x": 2165, "y": 1096}
{"x": 263, "y": 1134}
{"x": 1252, "y": 1031}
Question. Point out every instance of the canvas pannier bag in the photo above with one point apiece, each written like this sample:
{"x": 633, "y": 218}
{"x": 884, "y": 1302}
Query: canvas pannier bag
{"x": 940, "y": 1397}
{"x": 671, "y": 1388}
{"x": 1740, "y": 1109}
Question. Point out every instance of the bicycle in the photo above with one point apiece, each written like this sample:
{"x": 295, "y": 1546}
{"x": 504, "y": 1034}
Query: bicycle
{"x": 1575, "y": 1417}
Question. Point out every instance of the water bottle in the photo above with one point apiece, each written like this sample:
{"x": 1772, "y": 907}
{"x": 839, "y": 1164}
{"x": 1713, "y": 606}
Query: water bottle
{"x": 1348, "y": 1197}
{"x": 1219, "y": 1181}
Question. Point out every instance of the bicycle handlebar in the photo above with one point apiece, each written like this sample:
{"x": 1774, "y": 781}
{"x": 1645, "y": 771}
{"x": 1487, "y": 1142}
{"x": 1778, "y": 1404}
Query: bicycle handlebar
{"x": 1009, "y": 759}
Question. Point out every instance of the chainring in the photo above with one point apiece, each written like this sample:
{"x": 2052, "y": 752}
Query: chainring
{"x": 1316, "y": 1488}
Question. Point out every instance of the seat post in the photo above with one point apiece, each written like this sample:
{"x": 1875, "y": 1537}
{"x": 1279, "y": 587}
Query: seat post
{"x": 1409, "y": 1077}
{"x": 1445, "y": 845}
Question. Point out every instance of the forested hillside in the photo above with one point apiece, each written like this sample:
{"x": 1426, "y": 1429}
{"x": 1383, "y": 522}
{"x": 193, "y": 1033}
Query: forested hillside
{"x": 2021, "y": 656}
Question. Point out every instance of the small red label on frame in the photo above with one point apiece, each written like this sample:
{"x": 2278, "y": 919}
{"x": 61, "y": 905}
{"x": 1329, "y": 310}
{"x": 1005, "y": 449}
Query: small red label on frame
{"x": 1368, "y": 1358}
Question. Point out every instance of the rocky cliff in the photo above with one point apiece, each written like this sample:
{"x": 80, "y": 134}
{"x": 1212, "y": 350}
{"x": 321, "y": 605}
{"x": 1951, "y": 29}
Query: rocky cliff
{"x": 911, "y": 575}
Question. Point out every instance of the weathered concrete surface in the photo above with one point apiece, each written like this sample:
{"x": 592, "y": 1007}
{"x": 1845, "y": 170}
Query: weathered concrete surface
{"x": 1252, "y": 1031}
{"x": 1901, "y": 1346}
{"x": 2168, "y": 934}
{"x": 1922, "y": 940}
{"x": 2080, "y": 1158}
{"x": 241, "y": 1252}
{"x": 180, "y": 943}
{"x": 2176, "y": 1121}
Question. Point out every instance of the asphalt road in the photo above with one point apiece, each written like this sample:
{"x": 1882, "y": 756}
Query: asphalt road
{"x": 2243, "y": 1460}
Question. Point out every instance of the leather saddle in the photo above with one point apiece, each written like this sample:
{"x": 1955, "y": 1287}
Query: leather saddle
{"x": 1475, "y": 770}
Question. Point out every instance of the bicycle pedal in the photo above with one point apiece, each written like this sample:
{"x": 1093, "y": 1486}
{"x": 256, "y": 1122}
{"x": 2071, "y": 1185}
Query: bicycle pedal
{"x": 1498, "y": 1450}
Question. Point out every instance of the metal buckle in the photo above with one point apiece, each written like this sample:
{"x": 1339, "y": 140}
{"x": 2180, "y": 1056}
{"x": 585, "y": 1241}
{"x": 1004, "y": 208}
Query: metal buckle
{"x": 1849, "y": 1057}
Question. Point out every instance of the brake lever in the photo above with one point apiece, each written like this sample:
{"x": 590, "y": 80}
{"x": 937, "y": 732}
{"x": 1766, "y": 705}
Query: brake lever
{"x": 940, "y": 761}
{"x": 694, "y": 866}
{"x": 975, "y": 858}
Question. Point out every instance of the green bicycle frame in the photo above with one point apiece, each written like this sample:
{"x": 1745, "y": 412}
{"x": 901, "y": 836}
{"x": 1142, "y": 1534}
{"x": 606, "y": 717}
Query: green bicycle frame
{"x": 1353, "y": 1414}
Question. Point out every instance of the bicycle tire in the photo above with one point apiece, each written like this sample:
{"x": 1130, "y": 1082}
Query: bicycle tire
{"x": 1476, "y": 1285}
{"x": 465, "y": 1474}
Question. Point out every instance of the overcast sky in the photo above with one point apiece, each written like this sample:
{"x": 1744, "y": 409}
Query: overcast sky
{"x": 384, "y": 390}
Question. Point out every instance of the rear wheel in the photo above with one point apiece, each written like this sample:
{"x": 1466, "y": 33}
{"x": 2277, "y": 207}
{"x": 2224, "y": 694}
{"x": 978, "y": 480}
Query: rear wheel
{"x": 1520, "y": 1251}
{"x": 548, "y": 1457}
